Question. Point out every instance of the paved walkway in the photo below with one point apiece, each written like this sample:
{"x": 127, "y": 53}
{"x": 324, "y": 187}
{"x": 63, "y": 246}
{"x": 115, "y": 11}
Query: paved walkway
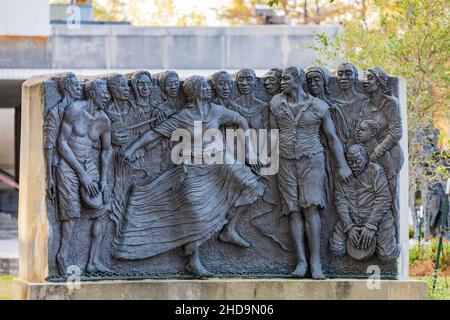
{"x": 9, "y": 248}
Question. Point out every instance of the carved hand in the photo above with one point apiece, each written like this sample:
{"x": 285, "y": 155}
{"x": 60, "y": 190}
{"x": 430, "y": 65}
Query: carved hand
{"x": 51, "y": 191}
{"x": 127, "y": 155}
{"x": 89, "y": 184}
{"x": 160, "y": 115}
{"x": 121, "y": 137}
{"x": 139, "y": 154}
{"x": 353, "y": 235}
{"x": 344, "y": 173}
{"x": 104, "y": 188}
{"x": 367, "y": 236}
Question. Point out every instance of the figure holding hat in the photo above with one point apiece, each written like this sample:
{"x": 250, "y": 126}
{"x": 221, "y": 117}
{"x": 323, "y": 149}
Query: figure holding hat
{"x": 366, "y": 224}
{"x": 82, "y": 182}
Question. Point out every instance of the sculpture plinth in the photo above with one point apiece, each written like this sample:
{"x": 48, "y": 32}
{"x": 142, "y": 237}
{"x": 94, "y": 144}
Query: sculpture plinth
{"x": 225, "y": 289}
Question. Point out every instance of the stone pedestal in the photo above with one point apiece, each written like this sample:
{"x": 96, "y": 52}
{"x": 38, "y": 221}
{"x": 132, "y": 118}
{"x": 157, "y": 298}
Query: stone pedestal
{"x": 226, "y": 289}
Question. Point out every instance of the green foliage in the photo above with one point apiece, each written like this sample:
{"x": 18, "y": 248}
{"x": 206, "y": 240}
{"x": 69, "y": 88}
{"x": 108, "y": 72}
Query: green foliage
{"x": 408, "y": 38}
{"x": 273, "y": 3}
{"x": 6, "y": 287}
{"x": 146, "y": 13}
{"x": 299, "y": 11}
{"x": 112, "y": 10}
{"x": 411, "y": 232}
{"x": 238, "y": 12}
{"x": 421, "y": 253}
{"x": 442, "y": 290}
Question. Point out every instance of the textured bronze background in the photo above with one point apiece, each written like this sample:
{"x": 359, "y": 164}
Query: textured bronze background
{"x": 123, "y": 123}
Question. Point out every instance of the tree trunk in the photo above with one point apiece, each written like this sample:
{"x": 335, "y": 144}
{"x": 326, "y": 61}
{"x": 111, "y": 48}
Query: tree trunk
{"x": 305, "y": 11}
{"x": 317, "y": 18}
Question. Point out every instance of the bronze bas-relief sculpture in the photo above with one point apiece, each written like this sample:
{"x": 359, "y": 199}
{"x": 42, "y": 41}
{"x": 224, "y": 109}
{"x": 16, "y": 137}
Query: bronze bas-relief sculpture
{"x": 122, "y": 205}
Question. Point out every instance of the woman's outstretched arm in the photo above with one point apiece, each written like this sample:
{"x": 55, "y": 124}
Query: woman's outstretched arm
{"x": 149, "y": 137}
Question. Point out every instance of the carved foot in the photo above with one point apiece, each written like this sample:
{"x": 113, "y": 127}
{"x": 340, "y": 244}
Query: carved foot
{"x": 233, "y": 237}
{"x": 316, "y": 271}
{"x": 300, "y": 270}
{"x": 198, "y": 269}
{"x": 97, "y": 267}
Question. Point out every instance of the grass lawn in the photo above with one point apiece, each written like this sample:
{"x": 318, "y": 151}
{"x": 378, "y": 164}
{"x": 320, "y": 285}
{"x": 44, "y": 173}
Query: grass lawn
{"x": 442, "y": 290}
{"x": 6, "y": 287}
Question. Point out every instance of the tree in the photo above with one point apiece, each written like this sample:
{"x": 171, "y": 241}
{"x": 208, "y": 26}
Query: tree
{"x": 408, "y": 38}
{"x": 239, "y": 12}
{"x": 146, "y": 13}
{"x": 299, "y": 11}
{"x": 191, "y": 19}
{"x": 112, "y": 10}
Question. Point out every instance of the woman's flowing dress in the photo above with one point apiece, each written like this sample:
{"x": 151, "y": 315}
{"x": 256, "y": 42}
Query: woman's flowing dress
{"x": 187, "y": 203}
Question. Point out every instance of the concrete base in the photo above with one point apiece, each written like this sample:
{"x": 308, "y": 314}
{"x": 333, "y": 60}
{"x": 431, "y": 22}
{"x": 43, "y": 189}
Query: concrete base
{"x": 225, "y": 289}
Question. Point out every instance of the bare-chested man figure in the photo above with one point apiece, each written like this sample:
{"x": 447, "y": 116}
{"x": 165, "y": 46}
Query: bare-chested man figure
{"x": 83, "y": 170}
{"x": 70, "y": 88}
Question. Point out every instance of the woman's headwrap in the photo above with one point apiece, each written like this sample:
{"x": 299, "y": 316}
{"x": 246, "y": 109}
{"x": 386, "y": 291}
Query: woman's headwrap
{"x": 214, "y": 78}
{"x": 351, "y": 65}
{"x": 135, "y": 79}
{"x": 276, "y": 71}
{"x": 163, "y": 76}
{"x": 325, "y": 74}
{"x": 246, "y": 71}
{"x": 191, "y": 86}
{"x": 383, "y": 79}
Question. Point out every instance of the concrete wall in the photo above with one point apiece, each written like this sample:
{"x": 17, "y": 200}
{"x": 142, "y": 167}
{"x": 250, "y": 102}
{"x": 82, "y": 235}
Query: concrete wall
{"x": 7, "y": 132}
{"x": 128, "y": 47}
{"x": 24, "y": 18}
{"x": 24, "y": 33}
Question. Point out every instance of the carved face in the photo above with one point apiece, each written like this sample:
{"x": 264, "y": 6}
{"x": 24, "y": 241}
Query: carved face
{"x": 100, "y": 94}
{"x": 121, "y": 89}
{"x": 223, "y": 86}
{"x": 371, "y": 83}
{"x": 143, "y": 85}
{"x": 363, "y": 133}
{"x": 357, "y": 162}
{"x": 288, "y": 82}
{"x": 205, "y": 91}
{"x": 346, "y": 76}
{"x": 245, "y": 82}
{"x": 315, "y": 83}
{"x": 272, "y": 83}
{"x": 172, "y": 86}
{"x": 74, "y": 90}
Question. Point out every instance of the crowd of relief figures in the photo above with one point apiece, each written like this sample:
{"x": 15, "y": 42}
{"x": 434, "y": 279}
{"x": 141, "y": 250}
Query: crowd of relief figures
{"x": 120, "y": 208}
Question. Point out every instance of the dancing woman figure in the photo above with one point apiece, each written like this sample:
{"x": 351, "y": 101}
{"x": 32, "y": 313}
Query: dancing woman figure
{"x": 187, "y": 204}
